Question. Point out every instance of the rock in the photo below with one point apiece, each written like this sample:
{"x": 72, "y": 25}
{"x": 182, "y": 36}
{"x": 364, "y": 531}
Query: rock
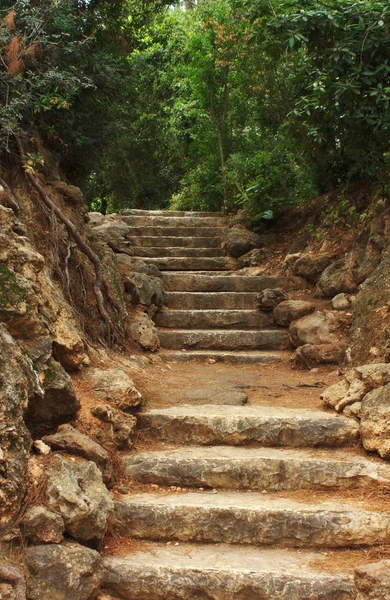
{"x": 41, "y": 448}
{"x": 239, "y": 241}
{"x": 127, "y": 264}
{"x": 309, "y": 266}
{"x": 18, "y": 386}
{"x": 290, "y": 310}
{"x": 41, "y": 526}
{"x": 269, "y": 298}
{"x": 373, "y": 581}
{"x": 58, "y": 405}
{"x": 144, "y": 332}
{"x": 7, "y": 592}
{"x": 68, "y": 347}
{"x": 321, "y": 327}
{"x": 121, "y": 426}
{"x": 254, "y": 258}
{"x": 114, "y": 385}
{"x": 77, "y": 492}
{"x": 310, "y": 356}
{"x": 145, "y": 290}
{"x": 375, "y": 421}
{"x": 354, "y": 410}
{"x": 336, "y": 279}
{"x": 65, "y": 572}
{"x": 357, "y": 382}
{"x": 71, "y": 441}
{"x": 95, "y": 218}
{"x": 112, "y": 232}
{"x": 341, "y": 302}
{"x": 213, "y": 395}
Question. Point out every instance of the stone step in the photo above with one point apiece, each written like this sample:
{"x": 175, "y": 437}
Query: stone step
{"x": 173, "y": 221}
{"x": 151, "y": 252}
{"x": 174, "y": 231}
{"x": 179, "y": 242}
{"x": 238, "y": 358}
{"x": 170, "y": 213}
{"x": 214, "y": 319}
{"x": 255, "y": 425}
{"x": 199, "y": 572}
{"x": 256, "y": 469}
{"x": 211, "y": 300}
{"x": 193, "y": 282}
{"x": 244, "y": 518}
{"x": 220, "y": 339}
{"x": 191, "y": 263}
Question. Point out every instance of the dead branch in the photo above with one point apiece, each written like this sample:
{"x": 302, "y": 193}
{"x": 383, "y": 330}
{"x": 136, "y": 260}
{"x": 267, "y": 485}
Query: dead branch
{"x": 99, "y": 284}
{"x": 11, "y": 200}
{"x": 16, "y": 578}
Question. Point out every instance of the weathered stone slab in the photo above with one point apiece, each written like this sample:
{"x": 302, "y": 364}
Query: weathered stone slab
{"x": 214, "y": 319}
{"x": 241, "y": 358}
{"x": 255, "y": 468}
{"x": 193, "y": 282}
{"x": 211, "y": 300}
{"x": 165, "y": 241}
{"x": 373, "y": 581}
{"x": 239, "y": 518}
{"x": 174, "y": 231}
{"x": 222, "y": 573}
{"x": 191, "y": 263}
{"x": 154, "y": 220}
{"x": 155, "y": 252}
{"x": 266, "y": 426}
{"x": 177, "y": 339}
{"x": 170, "y": 213}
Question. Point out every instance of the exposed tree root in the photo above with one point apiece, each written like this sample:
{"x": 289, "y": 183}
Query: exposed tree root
{"x": 16, "y": 578}
{"x": 11, "y": 200}
{"x": 99, "y": 284}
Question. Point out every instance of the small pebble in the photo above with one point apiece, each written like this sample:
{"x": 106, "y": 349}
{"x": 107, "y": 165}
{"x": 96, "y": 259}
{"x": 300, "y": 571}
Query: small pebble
{"x": 41, "y": 447}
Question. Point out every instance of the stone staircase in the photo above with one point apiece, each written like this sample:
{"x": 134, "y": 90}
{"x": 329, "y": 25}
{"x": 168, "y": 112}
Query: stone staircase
{"x": 241, "y": 503}
{"x": 209, "y": 312}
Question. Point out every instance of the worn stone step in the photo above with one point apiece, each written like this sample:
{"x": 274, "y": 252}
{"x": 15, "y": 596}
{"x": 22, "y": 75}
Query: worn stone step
{"x": 179, "y": 242}
{"x": 174, "y": 221}
{"x": 272, "y": 469}
{"x": 174, "y": 231}
{"x": 170, "y": 213}
{"x": 216, "y": 319}
{"x": 193, "y": 282}
{"x": 256, "y": 425}
{"x": 151, "y": 252}
{"x": 239, "y": 358}
{"x": 211, "y": 300}
{"x": 244, "y": 518}
{"x": 221, "y": 339}
{"x": 191, "y": 263}
{"x": 193, "y": 571}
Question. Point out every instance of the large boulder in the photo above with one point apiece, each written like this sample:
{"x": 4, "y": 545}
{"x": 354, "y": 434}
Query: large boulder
{"x": 375, "y": 422}
{"x": 290, "y": 310}
{"x": 63, "y": 572}
{"x": 320, "y": 327}
{"x": 338, "y": 278}
{"x": 145, "y": 290}
{"x": 254, "y": 258}
{"x": 41, "y": 526}
{"x": 114, "y": 385}
{"x": 118, "y": 429}
{"x": 112, "y": 232}
{"x": 239, "y": 240}
{"x": 144, "y": 332}
{"x": 310, "y": 266}
{"x": 69, "y": 440}
{"x": 77, "y": 492}
{"x": 310, "y": 355}
{"x": 59, "y": 404}
{"x": 269, "y": 298}
{"x": 128, "y": 264}
{"x": 372, "y": 581}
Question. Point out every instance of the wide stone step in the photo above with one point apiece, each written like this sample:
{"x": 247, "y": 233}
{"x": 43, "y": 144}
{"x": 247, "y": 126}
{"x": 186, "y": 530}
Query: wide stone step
{"x": 180, "y": 242}
{"x": 220, "y": 339}
{"x": 192, "y": 263}
{"x": 218, "y": 319}
{"x": 238, "y": 358}
{"x": 256, "y": 468}
{"x": 174, "y": 231}
{"x": 193, "y": 282}
{"x": 244, "y": 518}
{"x": 173, "y": 221}
{"x": 256, "y": 425}
{"x": 158, "y": 252}
{"x": 169, "y": 213}
{"x": 211, "y": 300}
{"x": 191, "y": 572}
